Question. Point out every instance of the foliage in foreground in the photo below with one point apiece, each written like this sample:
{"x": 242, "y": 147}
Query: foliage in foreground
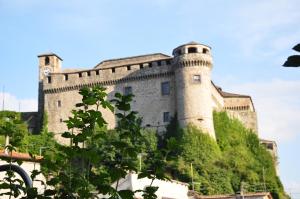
{"x": 96, "y": 157}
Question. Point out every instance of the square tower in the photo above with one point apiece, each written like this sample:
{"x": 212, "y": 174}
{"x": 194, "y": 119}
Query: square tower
{"x": 48, "y": 63}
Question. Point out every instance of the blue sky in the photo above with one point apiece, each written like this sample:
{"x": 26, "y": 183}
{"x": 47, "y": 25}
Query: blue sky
{"x": 250, "y": 40}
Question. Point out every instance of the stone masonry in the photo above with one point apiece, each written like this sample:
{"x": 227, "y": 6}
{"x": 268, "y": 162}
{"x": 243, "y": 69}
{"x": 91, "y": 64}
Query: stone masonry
{"x": 163, "y": 85}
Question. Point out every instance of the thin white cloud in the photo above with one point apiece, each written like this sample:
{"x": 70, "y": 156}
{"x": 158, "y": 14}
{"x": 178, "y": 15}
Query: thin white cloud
{"x": 293, "y": 189}
{"x": 277, "y": 104}
{"x": 266, "y": 24}
{"x": 12, "y": 103}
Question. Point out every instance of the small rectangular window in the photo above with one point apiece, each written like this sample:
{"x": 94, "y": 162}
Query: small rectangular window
{"x": 159, "y": 63}
{"x": 168, "y": 62}
{"x": 49, "y": 80}
{"x": 192, "y": 50}
{"x": 270, "y": 146}
{"x": 204, "y": 50}
{"x": 166, "y": 116}
{"x": 127, "y": 90}
{"x": 97, "y": 72}
{"x": 141, "y": 66}
{"x": 197, "y": 78}
{"x": 128, "y": 67}
{"x": 58, "y": 103}
{"x": 66, "y": 77}
{"x": 88, "y": 73}
{"x": 165, "y": 88}
{"x": 150, "y": 64}
{"x": 113, "y": 70}
{"x": 80, "y": 74}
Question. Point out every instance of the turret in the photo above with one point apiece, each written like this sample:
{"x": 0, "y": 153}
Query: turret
{"x": 193, "y": 64}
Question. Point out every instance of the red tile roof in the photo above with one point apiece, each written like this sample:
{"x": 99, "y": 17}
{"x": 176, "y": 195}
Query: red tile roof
{"x": 20, "y": 156}
{"x": 229, "y": 196}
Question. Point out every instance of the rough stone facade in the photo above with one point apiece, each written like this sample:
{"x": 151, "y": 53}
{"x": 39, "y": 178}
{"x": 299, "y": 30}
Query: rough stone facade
{"x": 163, "y": 85}
{"x": 271, "y": 146}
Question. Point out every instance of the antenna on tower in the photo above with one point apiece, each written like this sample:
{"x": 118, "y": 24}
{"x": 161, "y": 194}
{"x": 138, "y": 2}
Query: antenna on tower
{"x": 192, "y": 175}
{"x": 264, "y": 180}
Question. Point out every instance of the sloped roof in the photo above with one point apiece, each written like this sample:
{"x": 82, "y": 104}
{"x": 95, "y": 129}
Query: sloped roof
{"x": 49, "y": 54}
{"x": 227, "y": 94}
{"x": 267, "y": 141}
{"x": 232, "y": 95}
{"x": 191, "y": 43}
{"x": 131, "y": 60}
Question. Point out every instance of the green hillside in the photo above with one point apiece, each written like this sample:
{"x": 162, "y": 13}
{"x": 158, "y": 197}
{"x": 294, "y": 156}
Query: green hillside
{"x": 236, "y": 161}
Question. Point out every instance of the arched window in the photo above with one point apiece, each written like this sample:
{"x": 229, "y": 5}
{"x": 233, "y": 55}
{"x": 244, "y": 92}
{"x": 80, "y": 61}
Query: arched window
{"x": 47, "y": 61}
{"x": 192, "y": 50}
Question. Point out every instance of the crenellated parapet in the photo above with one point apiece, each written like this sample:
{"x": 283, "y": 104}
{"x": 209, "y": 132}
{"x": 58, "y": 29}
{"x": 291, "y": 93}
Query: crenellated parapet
{"x": 64, "y": 81}
{"x": 108, "y": 82}
{"x": 194, "y": 62}
{"x": 193, "y": 54}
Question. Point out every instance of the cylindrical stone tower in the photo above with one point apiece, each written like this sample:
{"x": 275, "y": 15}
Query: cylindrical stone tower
{"x": 193, "y": 64}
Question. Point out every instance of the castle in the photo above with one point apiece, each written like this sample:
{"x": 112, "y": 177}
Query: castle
{"x": 163, "y": 86}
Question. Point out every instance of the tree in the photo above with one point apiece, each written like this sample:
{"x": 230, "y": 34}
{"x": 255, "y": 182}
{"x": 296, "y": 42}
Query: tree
{"x": 11, "y": 125}
{"x": 294, "y": 60}
{"x": 97, "y": 157}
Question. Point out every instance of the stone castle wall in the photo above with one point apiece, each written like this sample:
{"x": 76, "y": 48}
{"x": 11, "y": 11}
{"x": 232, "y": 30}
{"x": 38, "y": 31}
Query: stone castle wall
{"x": 192, "y": 100}
{"x": 242, "y": 108}
{"x": 61, "y": 95}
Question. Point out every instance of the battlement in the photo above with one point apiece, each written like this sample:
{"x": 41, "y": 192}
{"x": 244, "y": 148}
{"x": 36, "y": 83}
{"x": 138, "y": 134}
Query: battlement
{"x": 110, "y": 74}
{"x": 193, "y": 54}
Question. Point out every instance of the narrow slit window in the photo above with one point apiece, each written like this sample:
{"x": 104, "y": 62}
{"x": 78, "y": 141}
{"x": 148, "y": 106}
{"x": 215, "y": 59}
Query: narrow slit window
{"x": 166, "y": 117}
{"x": 66, "y": 77}
{"x": 113, "y": 70}
{"x": 58, "y": 103}
{"x": 127, "y": 90}
{"x": 47, "y": 61}
{"x": 49, "y": 80}
{"x": 165, "y": 88}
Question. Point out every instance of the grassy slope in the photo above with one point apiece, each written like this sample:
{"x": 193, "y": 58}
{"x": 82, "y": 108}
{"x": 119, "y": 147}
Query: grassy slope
{"x": 236, "y": 160}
